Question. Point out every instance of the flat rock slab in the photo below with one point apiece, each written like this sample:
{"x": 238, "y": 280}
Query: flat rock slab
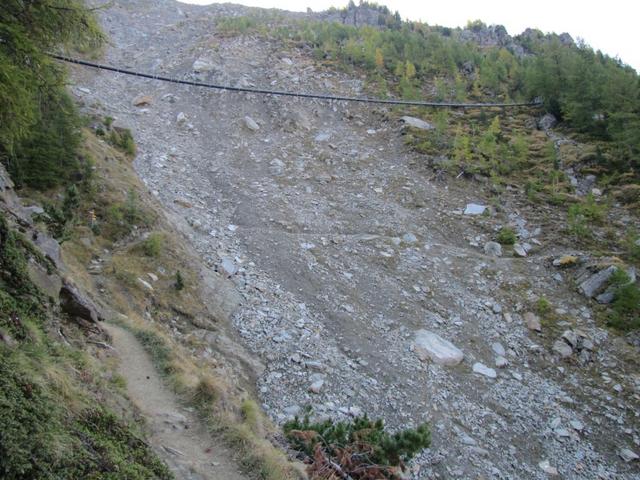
{"x": 482, "y": 369}
{"x": 417, "y": 123}
{"x": 429, "y": 345}
{"x": 474, "y": 209}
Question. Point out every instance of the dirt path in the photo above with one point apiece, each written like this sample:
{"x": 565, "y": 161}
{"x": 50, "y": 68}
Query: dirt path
{"x": 174, "y": 432}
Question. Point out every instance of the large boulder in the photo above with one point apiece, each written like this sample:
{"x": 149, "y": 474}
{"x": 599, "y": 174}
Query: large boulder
{"x": 594, "y": 281}
{"x": 428, "y": 345}
{"x": 417, "y": 123}
{"x": 76, "y": 305}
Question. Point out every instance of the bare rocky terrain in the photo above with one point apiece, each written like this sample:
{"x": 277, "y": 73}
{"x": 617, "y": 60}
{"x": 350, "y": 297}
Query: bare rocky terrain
{"x": 344, "y": 250}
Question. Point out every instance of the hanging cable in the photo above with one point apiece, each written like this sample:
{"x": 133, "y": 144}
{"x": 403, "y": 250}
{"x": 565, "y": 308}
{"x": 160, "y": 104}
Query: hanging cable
{"x": 281, "y": 93}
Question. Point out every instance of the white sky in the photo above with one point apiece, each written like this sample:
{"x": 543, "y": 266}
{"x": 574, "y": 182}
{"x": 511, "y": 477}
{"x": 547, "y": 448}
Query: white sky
{"x": 610, "y": 26}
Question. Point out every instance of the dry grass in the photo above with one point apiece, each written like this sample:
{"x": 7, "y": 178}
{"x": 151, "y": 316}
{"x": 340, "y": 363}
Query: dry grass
{"x": 153, "y": 315}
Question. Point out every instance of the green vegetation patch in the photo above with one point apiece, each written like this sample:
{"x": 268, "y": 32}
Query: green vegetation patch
{"x": 361, "y": 448}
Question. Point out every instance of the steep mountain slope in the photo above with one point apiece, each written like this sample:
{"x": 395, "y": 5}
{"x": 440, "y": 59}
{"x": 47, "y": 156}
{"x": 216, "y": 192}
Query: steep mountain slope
{"x": 343, "y": 246}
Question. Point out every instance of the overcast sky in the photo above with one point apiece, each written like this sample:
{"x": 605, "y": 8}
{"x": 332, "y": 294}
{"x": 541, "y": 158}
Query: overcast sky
{"x": 610, "y": 26}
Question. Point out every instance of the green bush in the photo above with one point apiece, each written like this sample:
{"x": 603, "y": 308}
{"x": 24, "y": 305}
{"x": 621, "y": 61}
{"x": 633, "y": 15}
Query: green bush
{"x": 122, "y": 139}
{"x": 506, "y": 236}
{"x": 179, "y": 281}
{"x": 152, "y": 246}
{"x": 625, "y": 308}
{"x": 361, "y": 447}
{"x": 122, "y": 217}
{"x": 582, "y": 215}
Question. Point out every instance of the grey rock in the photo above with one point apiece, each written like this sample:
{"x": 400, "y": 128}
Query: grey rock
{"x": 577, "y": 425}
{"x": 316, "y": 386}
{"x": 519, "y": 250}
{"x": 532, "y": 321}
{"x": 597, "y": 282}
{"x": 493, "y": 249}
{"x": 203, "y": 65}
{"x": 474, "y": 209}
{"x": 562, "y": 348}
{"x": 429, "y": 345}
{"x": 628, "y": 455}
{"x": 251, "y": 124}
{"x": 276, "y": 166}
{"x": 501, "y": 361}
{"x": 409, "y": 238}
{"x": 546, "y": 467}
{"x": 292, "y": 410}
{"x": 417, "y": 123}
{"x": 322, "y": 137}
{"x": 74, "y": 304}
{"x": 482, "y": 369}
{"x": 181, "y": 118}
{"x": 229, "y": 266}
{"x": 570, "y": 337}
{"x": 498, "y": 349}
{"x": 49, "y": 247}
{"x": 145, "y": 284}
{"x": 547, "y": 121}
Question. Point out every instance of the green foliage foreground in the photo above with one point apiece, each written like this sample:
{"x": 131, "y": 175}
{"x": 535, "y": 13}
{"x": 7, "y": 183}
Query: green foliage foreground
{"x": 361, "y": 449}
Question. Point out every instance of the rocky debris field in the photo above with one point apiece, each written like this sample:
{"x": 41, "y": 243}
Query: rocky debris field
{"x": 366, "y": 286}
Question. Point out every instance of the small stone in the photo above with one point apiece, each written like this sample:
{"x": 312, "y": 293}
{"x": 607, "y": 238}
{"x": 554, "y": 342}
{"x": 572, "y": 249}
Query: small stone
{"x": 482, "y": 369}
{"x": 561, "y": 347}
{"x": 142, "y": 100}
{"x": 565, "y": 261}
{"x": 295, "y": 358}
{"x": 181, "y": 118}
{"x": 546, "y": 467}
{"x": 251, "y": 124}
{"x": 202, "y": 65}
{"x": 429, "y": 345}
{"x": 501, "y": 362}
{"x": 493, "y": 249}
{"x": 497, "y": 308}
{"x": 316, "y": 386}
{"x": 627, "y": 455}
{"x": 417, "y": 123}
{"x": 570, "y": 337}
{"x": 467, "y": 440}
{"x": 153, "y": 277}
{"x": 498, "y": 349}
{"x": 409, "y": 238}
{"x": 145, "y": 284}
{"x": 519, "y": 250}
{"x": 532, "y": 321}
{"x": 576, "y": 425}
{"x": 229, "y": 266}
{"x": 292, "y": 410}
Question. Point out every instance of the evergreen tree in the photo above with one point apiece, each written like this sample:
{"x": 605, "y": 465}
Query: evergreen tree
{"x": 37, "y": 121}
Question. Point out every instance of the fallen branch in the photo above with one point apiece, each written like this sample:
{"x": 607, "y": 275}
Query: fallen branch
{"x": 101, "y": 344}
